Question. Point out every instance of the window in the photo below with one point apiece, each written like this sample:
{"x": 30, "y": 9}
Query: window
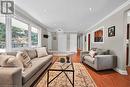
{"x": 19, "y": 34}
{"x": 2, "y": 33}
{"x": 34, "y": 36}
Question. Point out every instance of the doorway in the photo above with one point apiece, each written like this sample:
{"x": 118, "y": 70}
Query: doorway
{"x": 128, "y": 40}
{"x": 127, "y": 48}
{"x": 88, "y": 42}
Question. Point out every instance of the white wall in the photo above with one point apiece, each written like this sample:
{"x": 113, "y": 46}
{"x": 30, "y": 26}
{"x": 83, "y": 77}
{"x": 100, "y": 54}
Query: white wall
{"x": 116, "y": 44}
{"x": 44, "y": 41}
{"x": 49, "y": 41}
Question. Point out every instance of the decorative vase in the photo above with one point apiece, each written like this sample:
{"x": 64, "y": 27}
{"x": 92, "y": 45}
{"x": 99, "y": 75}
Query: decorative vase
{"x": 67, "y": 59}
{"x": 62, "y": 60}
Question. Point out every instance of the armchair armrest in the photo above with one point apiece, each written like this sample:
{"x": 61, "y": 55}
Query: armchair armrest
{"x": 10, "y": 77}
{"x": 82, "y": 54}
{"x": 105, "y": 61}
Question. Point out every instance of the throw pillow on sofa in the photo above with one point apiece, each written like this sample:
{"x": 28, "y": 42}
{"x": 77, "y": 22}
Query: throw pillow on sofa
{"x": 103, "y": 52}
{"x": 41, "y": 52}
{"x": 32, "y": 53}
{"x": 92, "y": 53}
{"x": 24, "y": 58}
{"x": 11, "y": 61}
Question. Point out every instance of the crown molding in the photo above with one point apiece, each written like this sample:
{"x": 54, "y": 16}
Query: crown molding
{"x": 109, "y": 15}
{"x": 27, "y": 16}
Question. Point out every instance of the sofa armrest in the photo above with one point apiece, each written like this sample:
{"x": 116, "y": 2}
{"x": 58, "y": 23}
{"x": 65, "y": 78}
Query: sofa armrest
{"x": 105, "y": 61}
{"x": 82, "y": 54}
{"x": 10, "y": 77}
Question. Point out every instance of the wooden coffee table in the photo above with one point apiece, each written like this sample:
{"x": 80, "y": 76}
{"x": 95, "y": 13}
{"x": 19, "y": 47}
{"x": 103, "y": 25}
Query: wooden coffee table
{"x": 61, "y": 68}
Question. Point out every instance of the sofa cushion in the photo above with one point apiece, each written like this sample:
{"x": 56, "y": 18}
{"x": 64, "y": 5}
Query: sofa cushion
{"x": 11, "y": 53}
{"x": 32, "y": 53}
{"x": 89, "y": 59}
{"x": 24, "y": 58}
{"x": 48, "y": 57}
{"x": 37, "y": 64}
{"x": 41, "y": 52}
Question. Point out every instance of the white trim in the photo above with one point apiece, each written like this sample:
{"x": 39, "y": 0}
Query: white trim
{"x": 122, "y": 72}
{"x": 84, "y": 42}
{"x": 8, "y": 22}
{"x": 29, "y": 36}
{"x": 109, "y": 15}
{"x": 129, "y": 64}
{"x": 87, "y": 41}
{"x": 39, "y": 37}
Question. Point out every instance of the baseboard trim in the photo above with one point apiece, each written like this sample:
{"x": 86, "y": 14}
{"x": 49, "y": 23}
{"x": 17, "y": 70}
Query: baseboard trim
{"x": 129, "y": 64}
{"x": 122, "y": 72}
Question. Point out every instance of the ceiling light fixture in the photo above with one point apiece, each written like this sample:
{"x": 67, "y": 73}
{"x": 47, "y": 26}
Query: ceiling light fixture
{"x": 44, "y": 10}
{"x": 90, "y": 9}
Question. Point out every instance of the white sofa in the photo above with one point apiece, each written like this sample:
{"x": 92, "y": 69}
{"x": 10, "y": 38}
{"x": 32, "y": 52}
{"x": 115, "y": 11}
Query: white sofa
{"x": 14, "y": 77}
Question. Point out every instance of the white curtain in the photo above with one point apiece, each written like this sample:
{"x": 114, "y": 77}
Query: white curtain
{"x": 62, "y": 42}
{"x": 73, "y": 42}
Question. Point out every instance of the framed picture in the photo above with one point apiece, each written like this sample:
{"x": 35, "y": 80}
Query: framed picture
{"x": 98, "y": 35}
{"x": 111, "y": 31}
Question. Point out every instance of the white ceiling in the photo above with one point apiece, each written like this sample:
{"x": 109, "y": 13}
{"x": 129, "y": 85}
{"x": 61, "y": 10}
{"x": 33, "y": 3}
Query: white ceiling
{"x": 69, "y": 15}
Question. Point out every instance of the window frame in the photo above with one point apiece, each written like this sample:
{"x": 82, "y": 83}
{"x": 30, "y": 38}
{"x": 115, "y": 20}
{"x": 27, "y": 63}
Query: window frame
{"x": 4, "y": 49}
{"x": 8, "y": 24}
{"x": 37, "y": 33}
{"x": 11, "y": 33}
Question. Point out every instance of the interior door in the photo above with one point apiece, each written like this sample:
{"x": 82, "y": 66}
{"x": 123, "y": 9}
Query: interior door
{"x": 88, "y": 42}
{"x": 127, "y": 48}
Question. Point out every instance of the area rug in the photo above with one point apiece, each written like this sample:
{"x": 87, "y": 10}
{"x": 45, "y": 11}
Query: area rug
{"x": 82, "y": 78}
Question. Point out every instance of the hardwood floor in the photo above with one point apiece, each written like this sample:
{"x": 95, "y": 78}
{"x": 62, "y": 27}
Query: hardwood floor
{"x": 107, "y": 78}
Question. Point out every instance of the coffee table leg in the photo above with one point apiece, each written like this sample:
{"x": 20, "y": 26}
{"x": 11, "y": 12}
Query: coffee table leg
{"x": 73, "y": 79}
{"x": 48, "y": 78}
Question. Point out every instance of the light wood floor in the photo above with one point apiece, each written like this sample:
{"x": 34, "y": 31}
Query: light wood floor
{"x": 107, "y": 78}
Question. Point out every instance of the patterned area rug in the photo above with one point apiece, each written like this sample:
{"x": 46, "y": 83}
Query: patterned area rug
{"x": 82, "y": 78}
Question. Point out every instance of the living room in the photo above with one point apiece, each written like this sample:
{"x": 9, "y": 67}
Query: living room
{"x": 62, "y": 43}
